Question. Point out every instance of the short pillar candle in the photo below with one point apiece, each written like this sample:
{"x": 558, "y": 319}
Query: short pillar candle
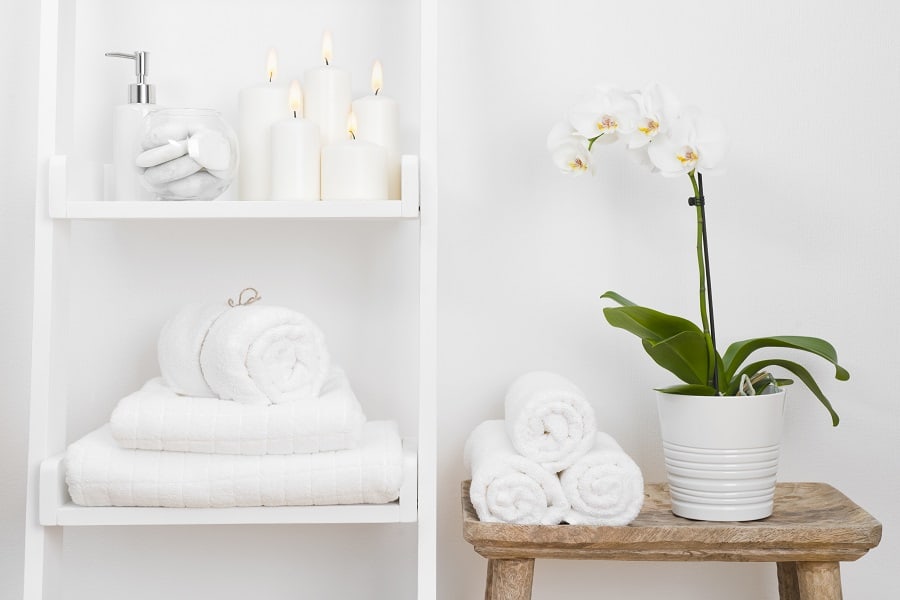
{"x": 354, "y": 169}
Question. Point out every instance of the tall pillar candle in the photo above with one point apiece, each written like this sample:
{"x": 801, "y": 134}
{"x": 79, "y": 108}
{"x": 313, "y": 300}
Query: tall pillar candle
{"x": 295, "y": 153}
{"x": 354, "y": 169}
{"x": 327, "y": 96}
{"x": 379, "y": 122}
{"x": 259, "y": 107}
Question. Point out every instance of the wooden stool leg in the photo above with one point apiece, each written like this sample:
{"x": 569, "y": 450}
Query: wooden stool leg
{"x": 509, "y": 579}
{"x": 819, "y": 580}
{"x": 787, "y": 581}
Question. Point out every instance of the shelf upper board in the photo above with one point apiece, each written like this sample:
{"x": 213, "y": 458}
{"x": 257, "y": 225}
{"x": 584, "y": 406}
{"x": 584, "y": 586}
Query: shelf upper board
{"x": 76, "y": 191}
{"x": 235, "y": 209}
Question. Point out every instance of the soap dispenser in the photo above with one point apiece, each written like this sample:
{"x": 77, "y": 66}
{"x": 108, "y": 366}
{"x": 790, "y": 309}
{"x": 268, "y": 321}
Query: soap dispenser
{"x": 127, "y": 121}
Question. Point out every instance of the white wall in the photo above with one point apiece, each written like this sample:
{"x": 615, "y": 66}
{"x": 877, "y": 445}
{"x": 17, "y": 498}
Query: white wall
{"x": 808, "y": 90}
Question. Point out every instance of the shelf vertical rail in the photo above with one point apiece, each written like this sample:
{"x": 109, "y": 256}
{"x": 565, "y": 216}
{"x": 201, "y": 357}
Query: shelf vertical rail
{"x": 46, "y": 430}
{"x": 428, "y": 232}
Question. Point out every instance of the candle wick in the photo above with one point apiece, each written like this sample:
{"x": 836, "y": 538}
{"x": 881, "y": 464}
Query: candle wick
{"x": 295, "y": 114}
{"x": 326, "y": 61}
{"x": 270, "y": 78}
{"x": 377, "y": 90}
{"x": 352, "y": 134}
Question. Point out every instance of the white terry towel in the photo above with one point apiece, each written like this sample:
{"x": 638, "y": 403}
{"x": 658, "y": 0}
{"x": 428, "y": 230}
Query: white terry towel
{"x": 156, "y": 418}
{"x": 100, "y": 473}
{"x": 604, "y": 487}
{"x": 253, "y": 353}
{"x": 549, "y": 420}
{"x": 507, "y": 487}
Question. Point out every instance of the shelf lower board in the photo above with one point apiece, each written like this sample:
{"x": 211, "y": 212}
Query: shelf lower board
{"x": 57, "y": 508}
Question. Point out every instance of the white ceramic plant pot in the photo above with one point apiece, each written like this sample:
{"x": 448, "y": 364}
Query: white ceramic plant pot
{"x": 721, "y": 454}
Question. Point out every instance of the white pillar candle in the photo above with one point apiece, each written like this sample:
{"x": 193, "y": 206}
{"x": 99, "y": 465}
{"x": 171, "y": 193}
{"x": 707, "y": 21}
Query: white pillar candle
{"x": 354, "y": 169}
{"x": 327, "y": 96}
{"x": 295, "y": 154}
{"x": 259, "y": 107}
{"x": 379, "y": 122}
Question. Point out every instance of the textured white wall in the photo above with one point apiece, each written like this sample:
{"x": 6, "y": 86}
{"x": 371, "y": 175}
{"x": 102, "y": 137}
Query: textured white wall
{"x": 808, "y": 90}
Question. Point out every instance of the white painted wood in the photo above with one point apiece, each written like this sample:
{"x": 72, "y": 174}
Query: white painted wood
{"x": 428, "y": 234}
{"x": 77, "y": 193}
{"x": 46, "y": 435}
{"x": 235, "y": 209}
{"x": 409, "y": 489}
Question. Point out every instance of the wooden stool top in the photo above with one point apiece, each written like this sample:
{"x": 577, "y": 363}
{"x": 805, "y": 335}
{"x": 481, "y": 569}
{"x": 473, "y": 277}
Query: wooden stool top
{"x": 811, "y": 522}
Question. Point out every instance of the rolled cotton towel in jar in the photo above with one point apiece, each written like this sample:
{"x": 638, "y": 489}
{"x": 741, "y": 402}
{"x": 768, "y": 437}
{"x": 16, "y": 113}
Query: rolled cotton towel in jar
{"x": 549, "y": 420}
{"x": 603, "y": 487}
{"x": 507, "y": 487}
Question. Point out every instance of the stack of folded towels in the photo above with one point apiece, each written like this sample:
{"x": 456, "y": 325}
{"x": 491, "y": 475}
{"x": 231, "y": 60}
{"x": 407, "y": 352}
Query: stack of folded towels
{"x": 545, "y": 463}
{"x": 249, "y": 411}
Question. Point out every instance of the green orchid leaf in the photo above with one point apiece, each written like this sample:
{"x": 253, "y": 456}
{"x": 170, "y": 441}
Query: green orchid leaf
{"x": 648, "y": 324}
{"x": 615, "y": 297}
{"x": 738, "y": 352}
{"x": 689, "y": 389}
{"x": 684, "y": 355}
{"x": 797, "y": 370}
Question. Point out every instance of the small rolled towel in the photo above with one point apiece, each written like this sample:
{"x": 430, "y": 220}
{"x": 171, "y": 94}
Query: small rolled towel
{"x": 604, "y": 487}
{"x": 549, "y": 420}
{"x": 156, "y": 418}
{"x": 251, "y": 353}
{"x": 507, "y": 487}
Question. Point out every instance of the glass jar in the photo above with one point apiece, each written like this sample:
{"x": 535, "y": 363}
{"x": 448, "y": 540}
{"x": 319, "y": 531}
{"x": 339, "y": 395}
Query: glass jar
{"x": 187, "y": 154}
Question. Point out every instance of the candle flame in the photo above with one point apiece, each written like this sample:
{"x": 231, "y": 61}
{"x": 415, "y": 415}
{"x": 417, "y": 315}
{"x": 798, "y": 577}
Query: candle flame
{"x": 377, "y": 77}
{"x": 352, "y": 125}
{"x": 296, "y": 98}
{"x": 271, "y": 64}
{"x": 327, "y": 49}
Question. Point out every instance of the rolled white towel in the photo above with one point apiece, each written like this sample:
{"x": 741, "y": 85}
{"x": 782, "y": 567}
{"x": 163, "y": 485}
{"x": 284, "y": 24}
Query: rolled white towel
{"x": 156, "y": 418}
{"x": 604, "y": 487}
{"x": 251, "y": 353}
{"x": 507, "y": 487}
{"x": 549, "y": 420}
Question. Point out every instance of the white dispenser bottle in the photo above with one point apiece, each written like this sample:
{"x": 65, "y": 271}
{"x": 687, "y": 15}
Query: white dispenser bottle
{"x": 127, "y": 121}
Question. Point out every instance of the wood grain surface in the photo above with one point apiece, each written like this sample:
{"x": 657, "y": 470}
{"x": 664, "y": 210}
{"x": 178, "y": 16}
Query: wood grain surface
{"x": 811, "y": 522}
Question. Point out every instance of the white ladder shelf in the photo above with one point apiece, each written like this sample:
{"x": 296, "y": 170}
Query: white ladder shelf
{"x": 49, "y": 509}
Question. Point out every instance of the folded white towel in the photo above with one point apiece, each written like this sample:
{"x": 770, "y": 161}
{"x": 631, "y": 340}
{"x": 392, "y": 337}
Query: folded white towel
{"x": 254, "y": 354}
{"x": 549, "y": 420}
{"x": 156, "y": 418}
{"x": 507, "y": 487}
{"x": 604, "y": 487}
{"x": 100, "y": 473}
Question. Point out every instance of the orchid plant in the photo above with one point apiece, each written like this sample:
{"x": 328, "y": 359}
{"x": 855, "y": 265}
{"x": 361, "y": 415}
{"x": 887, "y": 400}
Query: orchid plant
{"x": 675, "y": 140}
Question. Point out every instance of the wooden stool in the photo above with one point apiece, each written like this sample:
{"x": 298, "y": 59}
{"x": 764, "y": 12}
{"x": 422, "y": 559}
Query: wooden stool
{"x": 813, "y": 528}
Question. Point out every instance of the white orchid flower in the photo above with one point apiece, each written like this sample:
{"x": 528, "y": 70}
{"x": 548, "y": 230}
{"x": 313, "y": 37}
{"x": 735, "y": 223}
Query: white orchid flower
{"x": 657, "y": 109}
{"x": 569, "y": 150}
{"x": 693, "y": 141}
{"x": 609, "y": 112}
{"x": 572, "y": 157}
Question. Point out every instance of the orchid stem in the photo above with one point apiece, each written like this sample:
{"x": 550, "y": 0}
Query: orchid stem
{"x": 706, "y": 300}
